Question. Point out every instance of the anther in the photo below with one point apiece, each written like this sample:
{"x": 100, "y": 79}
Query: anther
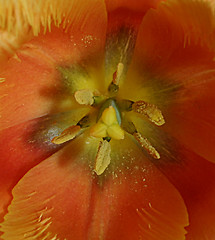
{"x": 144, "y": 142}
{"x": 114, "y": 86}
{"x": 103, "y": 157}
{"x": 67, "y": 135}
{"x": 72, "y": 131}
{"x": 118, "y": 74}
{"x": 84, "y": 97}
{"x": 150, "y": 111}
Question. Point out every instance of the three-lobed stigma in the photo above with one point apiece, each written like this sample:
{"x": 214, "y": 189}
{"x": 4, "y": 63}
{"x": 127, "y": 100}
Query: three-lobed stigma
{"x": 109, "y": 122}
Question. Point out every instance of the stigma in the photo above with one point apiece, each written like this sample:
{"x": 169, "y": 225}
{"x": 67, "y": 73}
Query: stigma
{"x": 108, "y": 122}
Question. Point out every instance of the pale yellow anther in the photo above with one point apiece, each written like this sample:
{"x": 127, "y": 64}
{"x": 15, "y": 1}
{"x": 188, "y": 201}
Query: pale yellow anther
{"x": 99, "y": 130}
{"x": 118, "y": 74}
{"x": 115, "y": 132}
{"x": 144, "y": 143}
{"x": 84, "y": 97}
{"x": 107, "y": 125}
{"x": 150, "y": 111}
{"x": 68, "y": 134}
{"x": 103, "y": 157}
{"x": 109, "y": 116}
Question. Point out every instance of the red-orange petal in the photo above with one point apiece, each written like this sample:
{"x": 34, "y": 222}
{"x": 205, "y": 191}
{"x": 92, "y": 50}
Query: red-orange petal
{"x": 174, "y": 64}
{"x": 25, "y": 145}
{"x": 61, "y": 198}
{"x": 136, "y": 5}
{"x": 31, "y": 81}
{"x": 193, "y": 176}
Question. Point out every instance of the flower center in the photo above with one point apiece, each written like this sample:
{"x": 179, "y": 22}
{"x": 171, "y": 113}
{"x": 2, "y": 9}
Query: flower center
{"x": 107, "y": 120}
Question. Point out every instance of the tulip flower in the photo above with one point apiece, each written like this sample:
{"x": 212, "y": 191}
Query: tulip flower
{"x": 107, "y": 120}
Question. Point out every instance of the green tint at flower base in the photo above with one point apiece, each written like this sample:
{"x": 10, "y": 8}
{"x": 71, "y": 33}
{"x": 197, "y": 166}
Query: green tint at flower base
{"x": 93, "y": 115}
{"x": 108, "y": 113}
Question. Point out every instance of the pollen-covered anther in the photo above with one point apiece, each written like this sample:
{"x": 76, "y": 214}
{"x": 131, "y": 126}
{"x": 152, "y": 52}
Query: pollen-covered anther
{"x": 84, "y": 97}
{"x": 68, "y": 134}
{"x": 114, "y": 85}
{"x": 150, "y": 111}
{"x": 118, "y": 74}
{"x": 108, "y": 125}
{"x": 103, "y": 157}
{"x": 146, "y": 145}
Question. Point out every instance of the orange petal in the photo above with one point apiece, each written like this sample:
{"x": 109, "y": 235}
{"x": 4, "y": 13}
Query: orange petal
{"x": 27, "y": 17}
{"x": 121, "y": 36}
{"x": 61, "y": 198}
{"x": 174, "y": 26}
{"x": 31, "y": 85}
{"x": 174, "y": 61}
{"x": 138, "y": 6}
{"x": 25, "y": 145}
{"x": 194, "y": 177}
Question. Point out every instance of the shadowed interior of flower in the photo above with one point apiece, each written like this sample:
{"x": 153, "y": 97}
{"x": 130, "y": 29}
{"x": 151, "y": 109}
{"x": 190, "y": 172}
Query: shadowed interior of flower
{"x": 111, "y": 122}
{"x": 106, "y": 120}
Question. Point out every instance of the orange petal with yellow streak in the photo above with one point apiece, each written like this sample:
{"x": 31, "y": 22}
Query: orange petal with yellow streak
{"x": 25, "y": 145}
{"x": 173, "y": 67}
{"x": 61, "y": 198}
{"x": 30, "y": 82}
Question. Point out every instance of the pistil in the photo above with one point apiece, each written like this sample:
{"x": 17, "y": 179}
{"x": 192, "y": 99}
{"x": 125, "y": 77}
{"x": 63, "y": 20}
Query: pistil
{"x": 109, "y": 123}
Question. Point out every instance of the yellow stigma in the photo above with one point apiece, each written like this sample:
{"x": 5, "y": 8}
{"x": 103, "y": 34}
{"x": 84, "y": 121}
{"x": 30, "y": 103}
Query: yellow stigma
{"x": 108, "y": 125}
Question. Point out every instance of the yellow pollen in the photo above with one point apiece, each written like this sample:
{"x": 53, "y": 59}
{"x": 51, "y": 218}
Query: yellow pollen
{"x": 84, "y": 97}
{"x": 68, "y": 134}
{"x": 103, "y": 157}
{"x": 146, "y": 145}
{"x": 108, "y": 125}
{"x": 118, "y": 73}
{"x": 150, "y": 111}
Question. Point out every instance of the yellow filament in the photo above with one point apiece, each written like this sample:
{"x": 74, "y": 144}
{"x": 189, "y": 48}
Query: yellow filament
{"x": 103, "y": 157}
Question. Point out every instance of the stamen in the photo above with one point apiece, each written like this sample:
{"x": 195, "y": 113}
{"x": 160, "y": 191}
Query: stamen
{"x": 71, "y": 132}
{"x": 117, "y": 75}
{"x": 146, "y": 145}
{"x": 84, "y": 97}
{"x": 103, "y": 157}
{"x": 67, "y": 135}
{"x": 150, "y": 111}
{"x": 131, "y": 129}
{"x": 114, "y": 86}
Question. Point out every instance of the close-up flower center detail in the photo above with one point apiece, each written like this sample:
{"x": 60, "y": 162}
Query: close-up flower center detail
{"x": 107, "y": 119}
{"x": 111, "y": 122}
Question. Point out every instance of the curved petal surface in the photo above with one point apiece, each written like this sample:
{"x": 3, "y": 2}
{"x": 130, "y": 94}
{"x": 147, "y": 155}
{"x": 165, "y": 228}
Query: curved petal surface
{"x": 175, "y": 52}
{"x": 31, "y": 82}
{"x": 137, "y": 203}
